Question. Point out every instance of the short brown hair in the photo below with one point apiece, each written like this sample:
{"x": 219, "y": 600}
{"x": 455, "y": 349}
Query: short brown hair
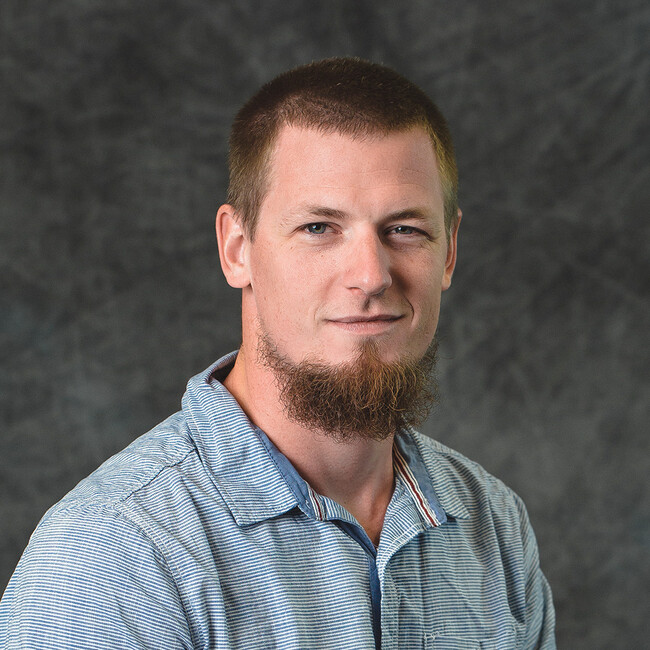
{"x": 342, "y": 95}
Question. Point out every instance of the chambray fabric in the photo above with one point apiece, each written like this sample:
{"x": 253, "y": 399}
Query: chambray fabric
{"x": 201, "y": 534}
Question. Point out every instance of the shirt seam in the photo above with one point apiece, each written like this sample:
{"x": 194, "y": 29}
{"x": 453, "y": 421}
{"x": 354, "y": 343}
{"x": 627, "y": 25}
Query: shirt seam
{"x": 156, "y": 474}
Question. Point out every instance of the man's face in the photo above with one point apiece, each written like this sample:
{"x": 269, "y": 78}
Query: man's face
{"x": 349, "y": 247}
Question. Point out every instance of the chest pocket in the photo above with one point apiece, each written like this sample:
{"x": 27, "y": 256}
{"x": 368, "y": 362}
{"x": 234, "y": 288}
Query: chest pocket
{"x": 435, "y": 642}
{"x": 445, "y": 642}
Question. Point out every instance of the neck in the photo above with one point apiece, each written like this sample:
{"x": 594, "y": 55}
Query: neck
{"x": 357, "y": 474}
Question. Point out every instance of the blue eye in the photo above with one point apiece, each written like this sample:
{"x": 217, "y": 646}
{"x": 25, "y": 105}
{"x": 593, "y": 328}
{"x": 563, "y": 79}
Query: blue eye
{"x": 316, "y": 228}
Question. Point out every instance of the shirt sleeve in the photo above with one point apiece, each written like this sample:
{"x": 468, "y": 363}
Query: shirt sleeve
{"x": 540, "y": 613}
{"x": 92, "y": 580}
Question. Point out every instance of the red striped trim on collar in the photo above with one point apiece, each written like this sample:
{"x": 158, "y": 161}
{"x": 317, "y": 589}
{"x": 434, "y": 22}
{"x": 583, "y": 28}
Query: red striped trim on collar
{"x": 316, "y": 505}
{"x": 404, "y": 472}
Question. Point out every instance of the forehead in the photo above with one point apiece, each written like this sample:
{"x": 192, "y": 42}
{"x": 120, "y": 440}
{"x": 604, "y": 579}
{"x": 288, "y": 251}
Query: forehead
{"x": 304, "y": 160}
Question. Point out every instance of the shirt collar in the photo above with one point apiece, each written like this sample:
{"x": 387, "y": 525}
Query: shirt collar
{"x": 229, "y": 447}
{"x": 258, "y": 482}
{"x": 429, "y": 481}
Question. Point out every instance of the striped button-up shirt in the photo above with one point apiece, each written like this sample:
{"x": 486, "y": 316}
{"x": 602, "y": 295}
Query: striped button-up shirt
{"x": 201, "y": 534}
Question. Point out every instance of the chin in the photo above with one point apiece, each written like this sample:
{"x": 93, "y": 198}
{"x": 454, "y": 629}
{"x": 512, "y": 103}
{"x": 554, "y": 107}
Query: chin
{"x": 383, "y": 351}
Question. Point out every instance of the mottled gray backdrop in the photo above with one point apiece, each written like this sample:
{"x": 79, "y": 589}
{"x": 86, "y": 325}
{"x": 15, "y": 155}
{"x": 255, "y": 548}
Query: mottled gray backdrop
{"x": 113, "y": 122}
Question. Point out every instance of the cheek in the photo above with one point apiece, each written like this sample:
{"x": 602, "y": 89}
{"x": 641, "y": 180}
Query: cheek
{"x": 267, "y": 281}
{"x": 426, "y": 301}
{"x": 268, "y": 272}
{"x": 432, "y": 319}
{"x": 284, "y": 291}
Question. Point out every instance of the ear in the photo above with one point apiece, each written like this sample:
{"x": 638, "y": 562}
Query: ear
{"x": 452, "y": 247}
{"x": 233, "y": 247}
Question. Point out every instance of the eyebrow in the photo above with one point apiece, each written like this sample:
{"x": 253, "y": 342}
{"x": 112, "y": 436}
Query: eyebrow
{"x": 325, "y": 212}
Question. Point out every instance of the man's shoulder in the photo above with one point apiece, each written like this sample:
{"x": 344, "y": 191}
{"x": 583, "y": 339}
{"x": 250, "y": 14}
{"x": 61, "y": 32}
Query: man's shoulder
{"x": 456, "y": 476}
{"x": 144, "y": 464}
{"x": 101, "y": 559}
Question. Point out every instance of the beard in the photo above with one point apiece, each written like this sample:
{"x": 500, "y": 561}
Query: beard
{"x": 366, "y": 398}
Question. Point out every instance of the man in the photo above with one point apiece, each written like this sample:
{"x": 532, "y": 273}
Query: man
{"x": 290, "y": 503}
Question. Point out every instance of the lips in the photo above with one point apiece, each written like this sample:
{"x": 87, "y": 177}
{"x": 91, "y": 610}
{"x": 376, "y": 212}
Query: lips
{"x": 366, "y": 324}
{"x": 367, "y": 318}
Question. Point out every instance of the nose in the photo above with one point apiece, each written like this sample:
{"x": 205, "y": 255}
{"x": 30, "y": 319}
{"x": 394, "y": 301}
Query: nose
{"x": 368, "y": 265}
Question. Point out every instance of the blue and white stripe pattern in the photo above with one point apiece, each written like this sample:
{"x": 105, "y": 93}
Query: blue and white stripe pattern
{"x": 201, "y": 534}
